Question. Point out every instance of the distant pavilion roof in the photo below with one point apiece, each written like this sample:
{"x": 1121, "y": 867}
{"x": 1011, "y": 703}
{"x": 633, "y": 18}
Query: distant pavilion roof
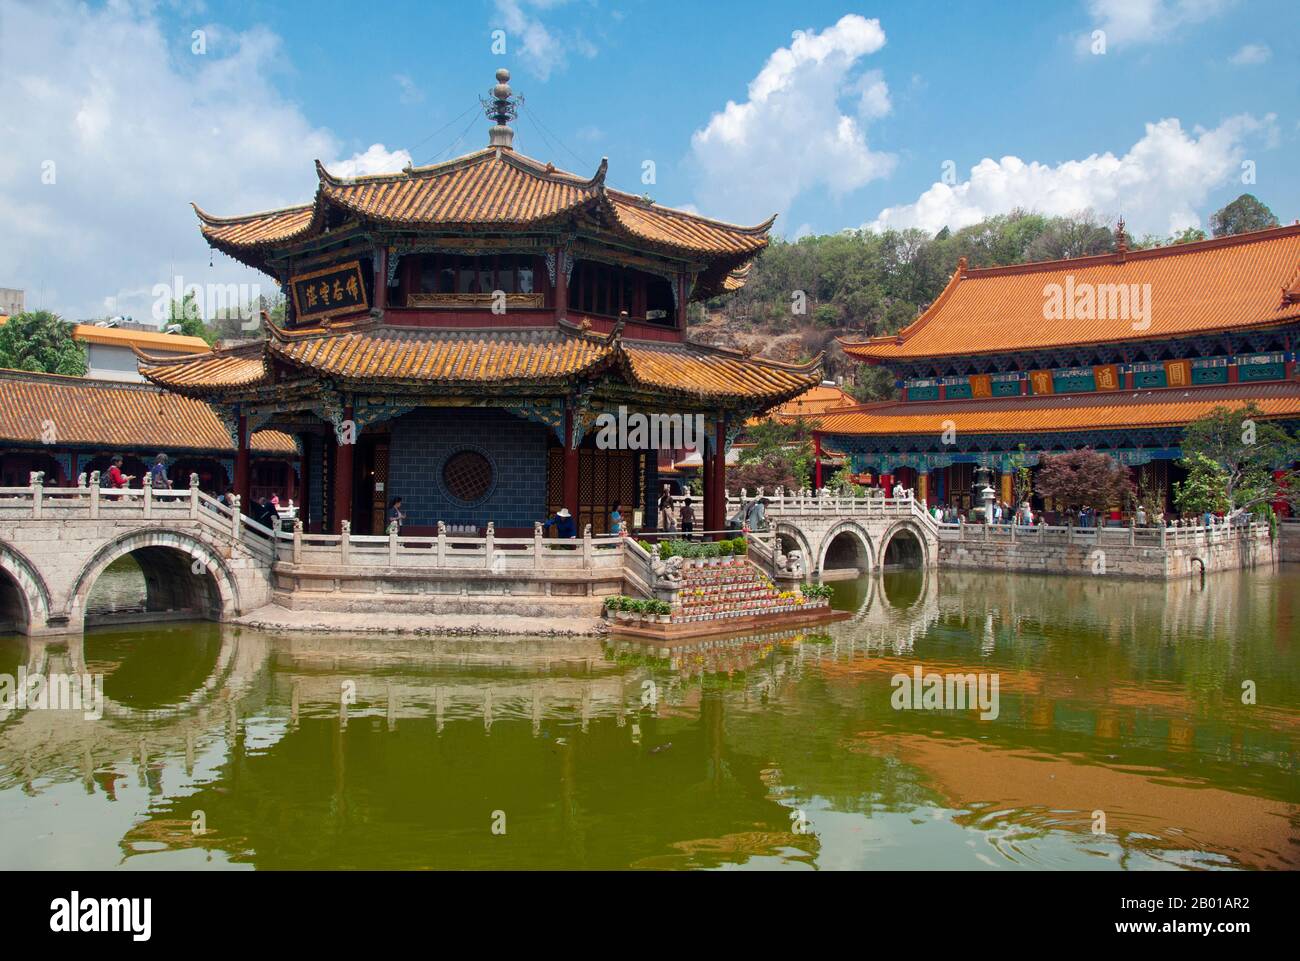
{"x": 1115, "y": 410}
{"x": 111, "y": 414}
{"x": 1243, "y": 282}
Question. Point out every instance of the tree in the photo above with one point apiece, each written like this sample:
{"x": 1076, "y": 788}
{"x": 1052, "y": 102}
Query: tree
{"x": 185, "y": 314}
{"x": 1238, "y": 451}
{"x": 1022, "y": 478}
{"x": 1244, "y": 214}
{"x": 40, "y": 341}
{"x": 782, "y": 448}
{"x": 1083, "y": 478}
{"x": 1203, "y": 490}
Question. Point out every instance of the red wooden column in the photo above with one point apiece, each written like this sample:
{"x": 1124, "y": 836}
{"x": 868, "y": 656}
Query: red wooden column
{"x": 343, "y": 476}
{"x": 381, "y": 277}
{"x": 243, "y": 474}
{"x": 570, "y": 485}
{"x": 709, "y": 478}
{"x": 817, "y": 460}
{"x": 304, "y": 480}
{"x": 720, "y": 477}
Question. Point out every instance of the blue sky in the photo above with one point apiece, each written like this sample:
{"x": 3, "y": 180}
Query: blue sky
{"x": 852, "y": 124}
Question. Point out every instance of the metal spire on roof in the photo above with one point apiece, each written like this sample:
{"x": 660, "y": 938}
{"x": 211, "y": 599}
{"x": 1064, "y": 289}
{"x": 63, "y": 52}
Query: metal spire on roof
{"x": 501, "y": 107}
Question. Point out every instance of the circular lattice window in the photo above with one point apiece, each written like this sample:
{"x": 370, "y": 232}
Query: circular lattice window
{"x": 467, "y": 476}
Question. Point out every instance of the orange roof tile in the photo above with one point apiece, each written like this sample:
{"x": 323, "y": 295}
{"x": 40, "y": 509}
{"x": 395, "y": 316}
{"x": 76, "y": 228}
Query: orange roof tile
{"x": 1166, "y": 407}
{"x": 224, "y": 367}
{"x": 815, "y": 401}
{"x": 1228, "y": 283}
{"x": 505, "y": 357}
{"x": 179, "y": 343}
{"x": 110, "y": 414}
{"x": 703, "y": 372}
{"x": 422, "y": 355}
{"x": 491, "y": 187}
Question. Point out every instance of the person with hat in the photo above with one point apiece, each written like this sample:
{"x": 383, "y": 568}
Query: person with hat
{"x": 563, "y": 523}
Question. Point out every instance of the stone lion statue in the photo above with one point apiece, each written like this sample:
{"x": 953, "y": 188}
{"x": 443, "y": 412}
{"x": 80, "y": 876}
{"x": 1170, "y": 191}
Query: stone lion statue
{"x": 667, "y": 571}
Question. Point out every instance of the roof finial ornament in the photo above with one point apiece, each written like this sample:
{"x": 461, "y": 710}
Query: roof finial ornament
{"x": 501, "y": 108}
{"x": 1121, "y": 238}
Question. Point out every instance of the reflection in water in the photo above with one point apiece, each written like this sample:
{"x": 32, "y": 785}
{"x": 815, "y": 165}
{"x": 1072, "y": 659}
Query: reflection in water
{"x": 1119, "y": 702}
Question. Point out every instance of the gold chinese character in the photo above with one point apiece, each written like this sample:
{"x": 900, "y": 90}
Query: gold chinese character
{"x": 1177, "y": 374}
{"x": 338, "y": 291}
{"x": 352, "y": 288}
{"x": 325, "y": 291}
{"x": 311, "y": 296}
{"x": 1105, "y": 378}
{"x": 1042, "y": 382}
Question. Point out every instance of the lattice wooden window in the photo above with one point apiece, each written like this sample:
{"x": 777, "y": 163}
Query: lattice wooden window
{"x": 467, "y": 475}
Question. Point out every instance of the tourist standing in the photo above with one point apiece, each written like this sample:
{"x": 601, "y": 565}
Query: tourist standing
{"x": 665, "y": 509}
{"x": 563, "y": 523}
{"x": 688, "y": 516}
{"x": 396, "y": 516}
{"x": 1141, "y": 517}
{"x": 616, "y": 519}
{"x": 116, "y": 479}
{"x": 158, "y": 478}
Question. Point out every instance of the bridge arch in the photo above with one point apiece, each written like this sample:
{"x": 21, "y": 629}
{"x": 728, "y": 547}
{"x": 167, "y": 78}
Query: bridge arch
{"x": 846, "y": 545}
{"x": 180, "y": 572}
{"x": 24, "y": 596}
{"x": 906, "y": 544}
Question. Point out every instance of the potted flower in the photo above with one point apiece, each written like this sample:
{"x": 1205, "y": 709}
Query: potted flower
{"x": 611, "y": 606}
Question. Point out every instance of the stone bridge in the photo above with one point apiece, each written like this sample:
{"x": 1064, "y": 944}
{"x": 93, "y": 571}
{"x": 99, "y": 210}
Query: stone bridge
{"x": 198, "y": 557}
{"x": 843, "y": 536}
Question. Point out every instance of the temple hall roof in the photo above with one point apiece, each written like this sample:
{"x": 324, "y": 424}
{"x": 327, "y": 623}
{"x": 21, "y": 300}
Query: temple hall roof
{"x": 1236, "y": 283}
{"x": 1114, "y": 410}
{"x": 109, "y": 414}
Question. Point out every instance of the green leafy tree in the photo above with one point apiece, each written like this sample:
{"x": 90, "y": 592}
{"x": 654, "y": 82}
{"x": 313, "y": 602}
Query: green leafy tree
{"x": 185, "y": 314}
{"x": 782, "y": 447}
{"x": 1022, "y": 476}
{"x": 1243, "y": 215}
{"x": 1204, "y": 488}
{"x": 1245, "y": 450}
{"x": 39, "y": 341}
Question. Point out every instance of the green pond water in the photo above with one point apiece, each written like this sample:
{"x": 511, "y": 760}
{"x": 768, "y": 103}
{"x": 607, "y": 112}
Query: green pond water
{"x": 1121, "y": 741}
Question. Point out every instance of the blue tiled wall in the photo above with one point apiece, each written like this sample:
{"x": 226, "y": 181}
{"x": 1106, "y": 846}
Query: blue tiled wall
{"x": 423, "y": 440}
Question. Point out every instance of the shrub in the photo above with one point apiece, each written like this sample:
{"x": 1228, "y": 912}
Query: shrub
{"x": 726, "y": 548}
{"x": 741, "y": 546}
{"x": 612, "y": 602}
{"x": 816, "y": 590}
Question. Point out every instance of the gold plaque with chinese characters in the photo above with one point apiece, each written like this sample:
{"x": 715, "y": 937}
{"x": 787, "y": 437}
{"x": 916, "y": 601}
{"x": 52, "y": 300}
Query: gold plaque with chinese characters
{"x": 340, "y": 289}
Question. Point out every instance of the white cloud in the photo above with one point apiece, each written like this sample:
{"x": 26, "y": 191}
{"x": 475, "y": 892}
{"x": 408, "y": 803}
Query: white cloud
{"x": 376, "y": 159}
{"x": 410, "y": 92}
{"x": 1252, "y": 54}
{"x": 1130, "y": 23}
{"x": 542, "y": 50}
{"x": 1157, "y": 185}
{"x": 136, "y": 129}
{"x": 756, "y": 157}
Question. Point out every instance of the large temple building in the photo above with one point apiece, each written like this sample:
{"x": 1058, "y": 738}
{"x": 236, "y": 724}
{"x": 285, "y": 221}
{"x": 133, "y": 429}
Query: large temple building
{"x": 1117, "y": 351}
{"x": 454, "y": 332}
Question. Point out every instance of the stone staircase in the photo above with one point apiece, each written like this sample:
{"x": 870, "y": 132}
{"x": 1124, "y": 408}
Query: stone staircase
{"x": 734, "y": 589}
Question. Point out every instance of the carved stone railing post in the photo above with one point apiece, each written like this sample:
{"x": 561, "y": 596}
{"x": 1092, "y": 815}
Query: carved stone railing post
{"x": 538, "y": 545}
{"x": 146, "y": 499}
{"x": 345, "y": 543}
{"x": 237, "y": 518}
{"x": 392, "y": 543}
{"x": 94, "y": 493}
{"x": 81, "y": 479}
{"x": 36, "y": 479}
{"x": 297, "y": 540}
{"x": 442, "y": 544}
{"x": 489, "y": 544}
{"x": 194, "y": 495}
{"x": 586, "y": 546}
